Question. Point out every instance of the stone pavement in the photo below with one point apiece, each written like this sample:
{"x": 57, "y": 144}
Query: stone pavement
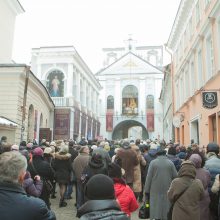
{"x": 69, "y": 212}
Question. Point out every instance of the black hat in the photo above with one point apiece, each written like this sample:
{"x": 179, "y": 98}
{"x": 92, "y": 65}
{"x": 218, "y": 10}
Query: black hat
{"x": 97, "y": 159}
{"x": 213, "y": 147}
{"x": 114, "y": 170}
{"x": 100, "y": 187}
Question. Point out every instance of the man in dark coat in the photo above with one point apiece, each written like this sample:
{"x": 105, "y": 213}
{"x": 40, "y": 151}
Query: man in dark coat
{"x": 15, "y": 204}
{"x": 102, "y": 204}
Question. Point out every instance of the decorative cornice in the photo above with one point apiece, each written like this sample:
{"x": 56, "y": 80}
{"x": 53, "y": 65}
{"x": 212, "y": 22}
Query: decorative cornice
{"x": 15, "y": 6}
{"x": 184, "y": 10}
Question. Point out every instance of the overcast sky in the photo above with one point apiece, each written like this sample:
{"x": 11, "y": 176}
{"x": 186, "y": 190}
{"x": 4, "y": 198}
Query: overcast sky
{"x": 90, "y": 25}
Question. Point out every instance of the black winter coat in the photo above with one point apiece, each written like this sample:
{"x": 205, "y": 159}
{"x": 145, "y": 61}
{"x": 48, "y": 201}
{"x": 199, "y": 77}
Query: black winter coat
{"x": 101, "y": 209}
{"x": 15, "y": 204}
{"x": 62, "y": 166}
{"x": 45, "y": 171}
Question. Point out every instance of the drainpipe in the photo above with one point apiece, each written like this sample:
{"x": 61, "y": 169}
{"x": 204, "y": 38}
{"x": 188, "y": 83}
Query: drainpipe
{"x": 23, "y": 107}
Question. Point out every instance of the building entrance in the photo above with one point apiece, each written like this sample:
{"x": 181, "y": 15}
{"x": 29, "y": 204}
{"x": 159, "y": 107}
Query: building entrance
{"x": 130, "y": 129}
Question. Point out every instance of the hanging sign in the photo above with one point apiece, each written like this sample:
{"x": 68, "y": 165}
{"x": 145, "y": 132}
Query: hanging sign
{"x": 209, "y": 99}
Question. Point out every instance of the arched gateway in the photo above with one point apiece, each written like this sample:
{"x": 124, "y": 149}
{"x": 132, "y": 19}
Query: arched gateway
{"x": 121, "y": 131}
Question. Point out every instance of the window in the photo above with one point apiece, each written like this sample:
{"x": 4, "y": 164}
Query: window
{"x": 130, "y": 100}
{"x": 150, "y": 102}
{"x": 209, "y": 57}
{"x": 200, "y": 70}
{"x": 198, "y": 12}
{"x": 192, "y": 79}
{"x": 187, "y": 86}
{"x": 110, "y": 102}
{"x": 177, "y": 95}
{"x": 219, "y": 42}
{"x": 191, "y": 27}
{"x": 207, "y": 2}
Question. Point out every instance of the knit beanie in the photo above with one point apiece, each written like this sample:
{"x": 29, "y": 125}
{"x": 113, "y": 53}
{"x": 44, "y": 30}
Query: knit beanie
{"x": 100, "y": 187}
{"x": 38, "y": 152}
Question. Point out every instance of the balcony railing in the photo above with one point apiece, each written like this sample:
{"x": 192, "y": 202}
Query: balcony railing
{"x": 63, "y": 101}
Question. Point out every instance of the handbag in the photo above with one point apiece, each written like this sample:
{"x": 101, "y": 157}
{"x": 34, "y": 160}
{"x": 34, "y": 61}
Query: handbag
{"x": 170, "y": 212}
{"x": 144, "y": 211}
{"x": 48, "y": 185}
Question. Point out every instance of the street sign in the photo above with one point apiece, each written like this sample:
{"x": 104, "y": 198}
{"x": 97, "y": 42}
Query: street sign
{"x": 209, "y": 99}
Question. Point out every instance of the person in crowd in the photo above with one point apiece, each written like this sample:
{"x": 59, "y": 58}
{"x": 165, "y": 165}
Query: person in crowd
{"x": 49, "y": 156}
{"x": 15, "y": 147}
{"x": 123, "y": 193}
{"x": 74, "y": 154}
{"x": 101, "y": 202}
{"x": 62, "y": 167}
{"x": 216, "y": 191}
{"x": 187, "y": 207}
{"x": 115, "y": 151}
{"x": 159, "y": 177}
{"x": 150, "y": 155}
{"x": 212, "y": 164}
{"x": 127, "y": 159}
{"x": 23, "y": 145}
{"x": 182, "y": 153}
{"x": 172, "y": 156}
{"x": 105, "y": 156}
{"x": 137, "y": 183}
{"x": 95, "y": 166}
{"x": 31, "y": 186}
{"x": 38, "y": 166}
{"x": 78, "y": 165}
{"x": 15, "y": 203}
{"x": 203, "y": 175}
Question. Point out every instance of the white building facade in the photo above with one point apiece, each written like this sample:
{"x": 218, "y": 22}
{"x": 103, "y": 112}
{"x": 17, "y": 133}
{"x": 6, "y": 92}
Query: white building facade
{"x": 131, "y": 86}
{"x": 8, "y": 12}
{"x": 73, "y": 88}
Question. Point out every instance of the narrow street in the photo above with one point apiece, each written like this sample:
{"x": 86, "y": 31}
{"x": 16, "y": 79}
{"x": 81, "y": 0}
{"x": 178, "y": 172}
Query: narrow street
{"x": 69, "y": 212}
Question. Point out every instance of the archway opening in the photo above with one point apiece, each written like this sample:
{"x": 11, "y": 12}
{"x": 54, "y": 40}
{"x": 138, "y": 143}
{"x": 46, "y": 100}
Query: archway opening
{"x": 130, "y": 129}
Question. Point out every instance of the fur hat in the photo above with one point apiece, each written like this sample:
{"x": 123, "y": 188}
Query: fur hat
{"x": 64, "y": 149}
{"x": 48, "y": 150}
{"x": 100, "y": 187}
{"x": 15, "y": 147}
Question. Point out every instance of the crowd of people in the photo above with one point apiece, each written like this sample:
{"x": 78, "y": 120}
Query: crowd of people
{"x": 109, "y": 179}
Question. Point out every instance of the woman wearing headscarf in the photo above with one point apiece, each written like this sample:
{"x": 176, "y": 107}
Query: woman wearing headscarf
{"x": 62, "y": 166}
{"x": 190, "y": 192}
{"x": 205, "y": 177}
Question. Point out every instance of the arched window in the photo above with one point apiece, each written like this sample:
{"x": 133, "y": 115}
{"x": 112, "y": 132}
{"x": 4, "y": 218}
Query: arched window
{"x": 41, "y": 120}
{"x": 110, "y": 102}
{"x": 55, "y": 84}
{"x": 30, "y": 132}
{"x": 130, "y": 100}
{"x": 150, "y": 102}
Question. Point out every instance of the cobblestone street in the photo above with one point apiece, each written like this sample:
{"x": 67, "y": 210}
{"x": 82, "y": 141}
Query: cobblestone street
{"x": 69, "y": 212}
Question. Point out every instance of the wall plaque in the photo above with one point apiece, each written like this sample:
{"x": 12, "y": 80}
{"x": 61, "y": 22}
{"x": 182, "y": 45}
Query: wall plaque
{"x": 209, "y": 99}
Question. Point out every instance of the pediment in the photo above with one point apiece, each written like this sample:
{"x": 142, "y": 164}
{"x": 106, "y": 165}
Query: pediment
{"x": 129, "y": 63}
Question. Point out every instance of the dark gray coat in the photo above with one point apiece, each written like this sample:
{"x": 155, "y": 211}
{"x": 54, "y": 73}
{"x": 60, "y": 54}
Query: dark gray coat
{"x": 161, "y": 172}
